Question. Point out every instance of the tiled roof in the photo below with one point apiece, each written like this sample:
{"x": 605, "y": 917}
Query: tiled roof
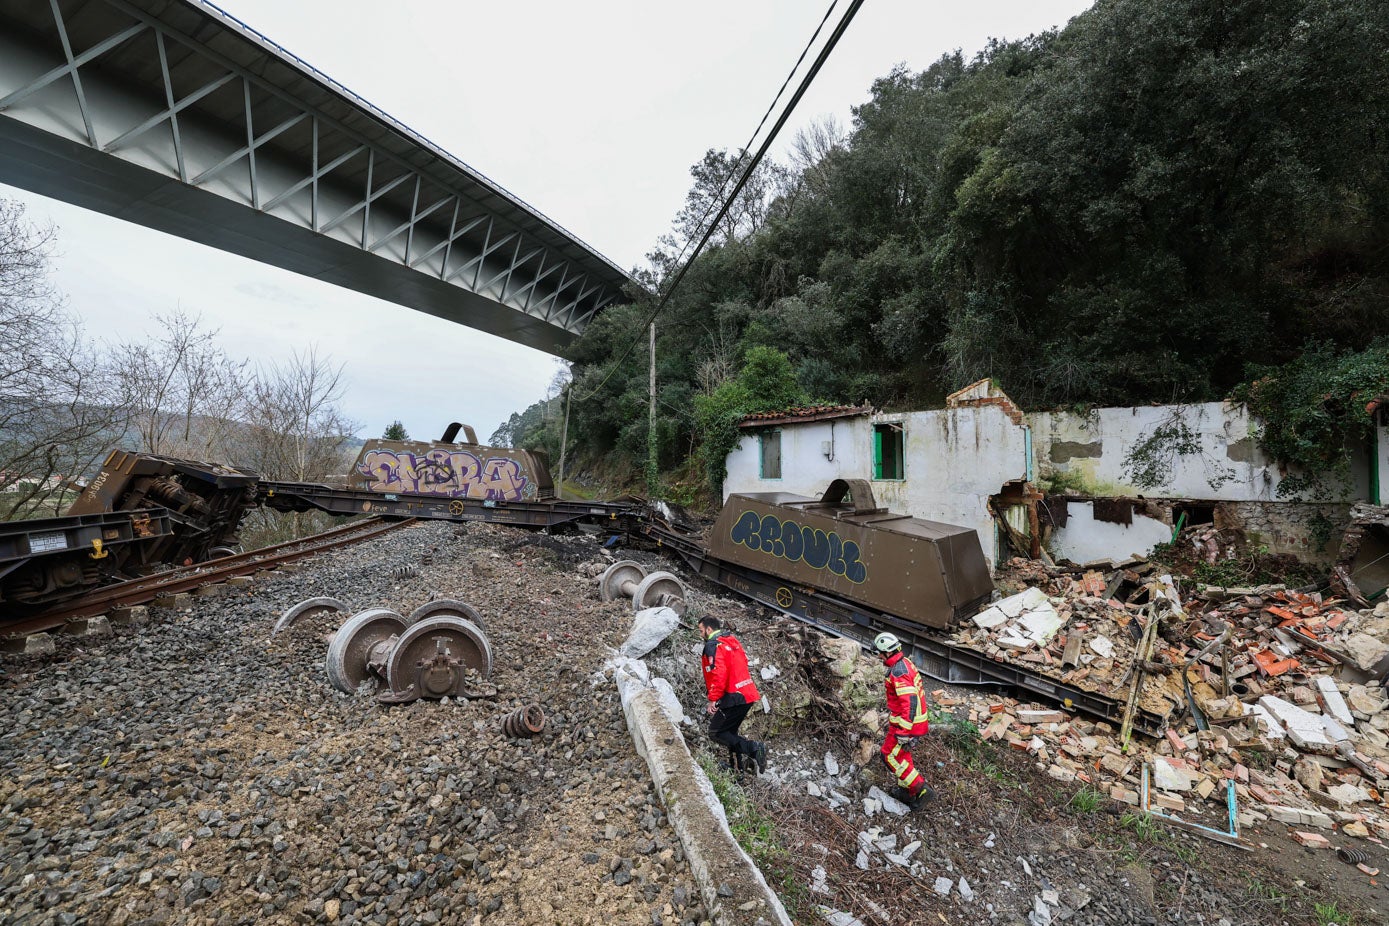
{"x": 803, "y": 414}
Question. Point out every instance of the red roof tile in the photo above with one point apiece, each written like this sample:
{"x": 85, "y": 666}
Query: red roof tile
{"x": 803, "y": 414}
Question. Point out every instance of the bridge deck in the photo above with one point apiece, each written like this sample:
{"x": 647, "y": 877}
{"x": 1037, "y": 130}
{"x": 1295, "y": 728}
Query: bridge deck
{"x": 176, "y": 116}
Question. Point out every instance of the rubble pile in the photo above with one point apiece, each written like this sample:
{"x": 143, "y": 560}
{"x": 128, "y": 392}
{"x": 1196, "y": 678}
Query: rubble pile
{"x": 1276, "y": 693}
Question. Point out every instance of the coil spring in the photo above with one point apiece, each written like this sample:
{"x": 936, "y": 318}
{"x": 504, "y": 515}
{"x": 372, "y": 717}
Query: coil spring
{"x": 1352, "y": 856}
{"x": 403, "y": 572}
{"x": 524, "y": 721}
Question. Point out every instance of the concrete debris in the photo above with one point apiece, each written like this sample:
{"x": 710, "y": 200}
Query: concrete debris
{"x": 1332, "y": 702}
{"x": 966, "y": 892}
{"x": 1169, "y": 777}
{"x": 831, "y": 764}
{"x": 650, "y": 627}
{"x": 943, "y": 886}
{"x": 838, "y": 917}
{"x": 1293, "y": 720}
{"x": 887, "y": 802}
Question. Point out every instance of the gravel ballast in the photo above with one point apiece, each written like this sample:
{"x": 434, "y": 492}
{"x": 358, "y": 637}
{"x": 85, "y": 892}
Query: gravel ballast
{"x": 192, "y": 770}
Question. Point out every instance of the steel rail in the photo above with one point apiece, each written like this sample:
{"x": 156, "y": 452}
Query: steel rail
{"x": 147, "y": 588}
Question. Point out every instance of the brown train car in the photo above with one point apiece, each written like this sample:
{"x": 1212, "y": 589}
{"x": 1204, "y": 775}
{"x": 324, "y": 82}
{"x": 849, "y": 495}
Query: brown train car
{"x": 463, "y": 469}
{"x": 842, "y": 543}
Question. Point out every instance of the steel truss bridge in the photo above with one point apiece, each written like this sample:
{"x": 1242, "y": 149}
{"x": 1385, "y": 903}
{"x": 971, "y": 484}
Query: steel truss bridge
{"x": 176, "y": 116}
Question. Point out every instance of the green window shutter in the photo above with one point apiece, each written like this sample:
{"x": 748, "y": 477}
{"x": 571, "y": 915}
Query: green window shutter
{"x": 877, "y": 454}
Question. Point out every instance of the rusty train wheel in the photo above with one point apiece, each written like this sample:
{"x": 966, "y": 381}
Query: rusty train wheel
{"x": 361, "y": 639}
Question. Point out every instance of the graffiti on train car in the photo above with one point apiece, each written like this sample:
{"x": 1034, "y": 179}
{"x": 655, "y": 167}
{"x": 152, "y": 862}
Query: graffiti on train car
{"x": 455, "y": 474}
{"x": 786, "y": 539}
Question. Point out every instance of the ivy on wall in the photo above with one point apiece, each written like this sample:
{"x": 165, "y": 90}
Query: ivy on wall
{"x": 1314, "y": 412}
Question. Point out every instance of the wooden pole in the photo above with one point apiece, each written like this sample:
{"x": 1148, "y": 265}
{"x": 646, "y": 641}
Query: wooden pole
{"x": 564, "y": 440}
{"x": 651, "y": 420}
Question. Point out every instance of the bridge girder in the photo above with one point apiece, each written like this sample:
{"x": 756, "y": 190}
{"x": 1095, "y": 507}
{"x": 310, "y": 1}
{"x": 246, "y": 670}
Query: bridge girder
{"x": 174, "y": 115}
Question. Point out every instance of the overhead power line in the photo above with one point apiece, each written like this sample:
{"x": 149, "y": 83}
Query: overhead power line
{"x": 744, "y": 152}
{"x": 732, "y": 197}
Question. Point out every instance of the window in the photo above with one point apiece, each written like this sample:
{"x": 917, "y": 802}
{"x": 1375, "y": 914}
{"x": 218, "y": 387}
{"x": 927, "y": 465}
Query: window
{"x": 887, "y": 452}
{"x": 770, "y": 443}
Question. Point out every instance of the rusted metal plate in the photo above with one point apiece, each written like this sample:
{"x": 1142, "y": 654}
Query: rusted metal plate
{"x": 925, "y": 572}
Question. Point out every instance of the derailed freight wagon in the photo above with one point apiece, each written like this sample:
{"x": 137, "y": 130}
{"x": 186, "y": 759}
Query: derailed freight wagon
{"x": 924, "y": 572}
{"x": 464, "y": 469}
{"x": 849, "y": 568}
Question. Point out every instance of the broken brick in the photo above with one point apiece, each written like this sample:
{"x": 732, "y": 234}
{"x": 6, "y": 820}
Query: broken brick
{"x": 1312, "y": 840}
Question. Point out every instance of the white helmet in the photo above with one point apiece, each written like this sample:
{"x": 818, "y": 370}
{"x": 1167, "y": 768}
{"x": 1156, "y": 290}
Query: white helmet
{"x": 886, "y": 643}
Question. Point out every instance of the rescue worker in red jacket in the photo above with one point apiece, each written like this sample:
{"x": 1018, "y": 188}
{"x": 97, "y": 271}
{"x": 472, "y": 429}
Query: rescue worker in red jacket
{"x": 906, "y": 705}
{"x": 731, "y": 694}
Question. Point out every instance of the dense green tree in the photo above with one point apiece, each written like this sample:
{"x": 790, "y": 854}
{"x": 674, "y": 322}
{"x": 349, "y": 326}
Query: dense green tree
{"x": 1132, "y": 209}
{"x": 395, "y": 431}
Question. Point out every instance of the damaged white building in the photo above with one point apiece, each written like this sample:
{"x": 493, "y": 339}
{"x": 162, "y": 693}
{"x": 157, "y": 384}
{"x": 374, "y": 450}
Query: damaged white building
{"x": 1104, "y": 484}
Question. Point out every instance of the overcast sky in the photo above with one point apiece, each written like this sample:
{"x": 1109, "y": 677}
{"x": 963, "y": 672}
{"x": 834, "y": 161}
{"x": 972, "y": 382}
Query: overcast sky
{"x": 592, "y": 112}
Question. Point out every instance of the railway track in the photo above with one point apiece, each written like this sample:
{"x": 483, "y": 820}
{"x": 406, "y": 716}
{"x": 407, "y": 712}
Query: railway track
{"x": 189, "y": 578}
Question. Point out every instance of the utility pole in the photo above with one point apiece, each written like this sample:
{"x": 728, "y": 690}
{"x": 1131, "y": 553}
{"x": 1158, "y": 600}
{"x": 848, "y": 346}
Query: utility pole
{"x": 564, "y": 440}
{"x": 651, "y": 422}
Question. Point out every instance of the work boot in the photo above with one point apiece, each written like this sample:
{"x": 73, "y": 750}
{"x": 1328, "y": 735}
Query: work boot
{"x": 915, "y": 800}
{"x": 759, "y": 756}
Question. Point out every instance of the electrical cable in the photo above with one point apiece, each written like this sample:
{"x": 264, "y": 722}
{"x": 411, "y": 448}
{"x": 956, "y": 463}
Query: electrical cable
{"x": 810, "y": 75}
{"x": 747, "y": 146}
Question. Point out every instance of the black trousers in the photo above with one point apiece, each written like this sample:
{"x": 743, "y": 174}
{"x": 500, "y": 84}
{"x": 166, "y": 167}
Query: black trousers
{"x": 723, "y": 728}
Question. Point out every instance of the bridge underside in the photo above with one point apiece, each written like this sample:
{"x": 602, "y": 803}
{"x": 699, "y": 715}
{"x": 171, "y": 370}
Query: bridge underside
{"x": 173, "y": 116}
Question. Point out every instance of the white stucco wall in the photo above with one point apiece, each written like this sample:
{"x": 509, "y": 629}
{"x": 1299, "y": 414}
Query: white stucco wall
{"x": 954, "y": 460}
{"x": 1382, "y": 459}
{"x": 1084, "y": 539}
{"x": 804, "y": 467}
{"x": 1093, "y": 448}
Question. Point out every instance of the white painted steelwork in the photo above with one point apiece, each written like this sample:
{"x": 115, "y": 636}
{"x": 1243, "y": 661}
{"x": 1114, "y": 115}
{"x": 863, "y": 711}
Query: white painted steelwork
{"x": 174, "y": 115}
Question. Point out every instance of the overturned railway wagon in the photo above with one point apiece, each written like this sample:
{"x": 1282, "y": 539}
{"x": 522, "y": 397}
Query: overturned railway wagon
{"x": 921, "y": 571}
{"x": 138, "y": 514}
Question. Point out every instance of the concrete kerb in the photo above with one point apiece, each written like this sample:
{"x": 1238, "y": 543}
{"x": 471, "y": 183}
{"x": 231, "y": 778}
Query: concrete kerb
{"x": 695, "y": 810}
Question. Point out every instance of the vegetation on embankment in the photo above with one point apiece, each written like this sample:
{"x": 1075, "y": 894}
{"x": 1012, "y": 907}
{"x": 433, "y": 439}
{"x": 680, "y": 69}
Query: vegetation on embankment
{"x": 1135, "y": 208}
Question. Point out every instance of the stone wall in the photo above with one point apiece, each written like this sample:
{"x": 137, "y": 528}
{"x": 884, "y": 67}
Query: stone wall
{"x": 1311, "y": 531}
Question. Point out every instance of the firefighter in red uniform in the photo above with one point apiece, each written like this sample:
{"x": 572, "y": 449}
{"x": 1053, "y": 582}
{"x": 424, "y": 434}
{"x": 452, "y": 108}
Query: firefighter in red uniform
{"x": 906, "y": 705}
{"x": 731, "y": 694}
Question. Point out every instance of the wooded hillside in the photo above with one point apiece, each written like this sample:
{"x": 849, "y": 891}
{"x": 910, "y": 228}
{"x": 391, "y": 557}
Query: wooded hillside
{"x": 1138, "y": 208}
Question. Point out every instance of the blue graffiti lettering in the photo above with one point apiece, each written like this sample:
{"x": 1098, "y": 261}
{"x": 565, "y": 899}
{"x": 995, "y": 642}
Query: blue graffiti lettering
{"x": 745, "y": 531}
{"x": 854, "y": 569}
{"x": 795, "y": 541}
{"x": 790, "y": 541}
{"x": 817, "y": 547}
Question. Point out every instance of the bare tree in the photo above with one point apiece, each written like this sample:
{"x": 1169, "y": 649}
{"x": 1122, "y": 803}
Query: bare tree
{"x": 815, "y": 142}
{"x": 184, "y": 392}
{"x": 296, "y": 430}
{"x": 57, "y": 413}
{"x": 715, "y": 176}
{"x": 812, "y": 145}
